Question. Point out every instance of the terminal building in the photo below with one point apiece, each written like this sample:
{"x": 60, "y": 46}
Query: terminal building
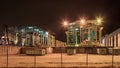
{"x": 28, "y": 36}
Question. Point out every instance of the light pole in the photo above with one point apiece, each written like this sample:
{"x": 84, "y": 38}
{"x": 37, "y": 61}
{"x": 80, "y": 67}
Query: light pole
{"x": 82, "y": 23}
{"x": 76, "y": 36}
{"x": 6, "y": 44}
{"x": 98, "y": 24}
{"x": 67, "y": 36}
{"x": 47, "y": 40}
{"x": 100, "y": 34}
{"x": 65, "y": 24}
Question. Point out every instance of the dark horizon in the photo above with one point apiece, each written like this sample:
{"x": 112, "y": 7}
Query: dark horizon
{"x": 48, "y": 14}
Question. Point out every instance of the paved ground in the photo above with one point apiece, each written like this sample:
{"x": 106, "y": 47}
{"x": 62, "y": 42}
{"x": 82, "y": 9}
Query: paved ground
{"x": 54, "y": 60}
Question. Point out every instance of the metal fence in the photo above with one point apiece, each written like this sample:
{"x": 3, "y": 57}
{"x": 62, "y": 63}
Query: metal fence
{"x": 60, "y": 58}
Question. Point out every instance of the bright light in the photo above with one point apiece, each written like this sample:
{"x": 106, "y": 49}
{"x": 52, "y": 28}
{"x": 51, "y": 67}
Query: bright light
{"x": 16, "y": 41}
{"x": 76, "y": 29}
{"x": 82, "y": 21}
{"x": 30, "y": 27}
{"x": 99, "y": 20}
{"x": 101, "y": 28}
{"x": 65, "y": 23}
{"x": 3, "y": 37}
{"x": 47, "y": 33}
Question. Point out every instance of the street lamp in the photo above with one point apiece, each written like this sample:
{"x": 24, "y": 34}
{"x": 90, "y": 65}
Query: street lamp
{"x": 82, "y": 21}
{"x": 99, "y": 21}
{"x": 65, "y": 23}
{"x": 47, "y": 33}
{"x": 47, "y": 38}
{"x": 76, "y": 40}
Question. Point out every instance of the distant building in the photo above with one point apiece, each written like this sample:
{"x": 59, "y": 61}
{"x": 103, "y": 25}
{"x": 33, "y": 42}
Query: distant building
{"x": 51, "y": 40}
{"x": 113, "y": 39}
{"x": 60, "y": 43}
{"x": 29, "y": 36}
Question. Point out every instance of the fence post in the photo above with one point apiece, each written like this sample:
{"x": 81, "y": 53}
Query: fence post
{"x": 6, "y": 40}
{"x": 34, "y": 57}
{"x": 61, "y": 56}
{"x": 86, "y": 57}
{"x": 112, "y": 57}
{"x": 6, "y": 47}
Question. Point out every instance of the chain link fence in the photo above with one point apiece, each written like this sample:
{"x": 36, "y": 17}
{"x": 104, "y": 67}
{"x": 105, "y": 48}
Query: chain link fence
{"x": 59, "y": 57}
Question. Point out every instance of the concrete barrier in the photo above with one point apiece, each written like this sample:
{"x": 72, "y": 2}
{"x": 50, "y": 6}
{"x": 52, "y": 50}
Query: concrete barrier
{"x": 59, "y": 49}
{"x": 102, "y": 51}
{"x": 115, "y": 51}
{"x": 11, "y": 49}
{"x": 24, "y": 49}
{"x": 71, "y": 51}
{"x": 40, "y": 52}
{"x": 49, "y": 50}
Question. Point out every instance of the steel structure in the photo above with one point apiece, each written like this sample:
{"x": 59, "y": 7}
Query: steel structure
{"x": 25, "y": 35}
{"x": 87, "y": 33}
{"x": 113, "y": 39}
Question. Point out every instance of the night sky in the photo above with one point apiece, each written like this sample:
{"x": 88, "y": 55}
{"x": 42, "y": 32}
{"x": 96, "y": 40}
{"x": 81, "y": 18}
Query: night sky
{"x": 48, "y": 14}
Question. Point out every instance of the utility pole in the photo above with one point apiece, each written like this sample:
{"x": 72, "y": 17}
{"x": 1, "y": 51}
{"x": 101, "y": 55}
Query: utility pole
{"x": 6, "y": 43}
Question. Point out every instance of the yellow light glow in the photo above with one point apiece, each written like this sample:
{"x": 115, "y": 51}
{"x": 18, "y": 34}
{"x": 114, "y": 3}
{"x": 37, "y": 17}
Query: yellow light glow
{"x": 99, "y": 20}
{"x": 82, "y": 21}
{"x": 101, "y": 28}
{"x": 65, "y": 23}
{"x": 16, "y": 41}
{"x": 47, "y": 33}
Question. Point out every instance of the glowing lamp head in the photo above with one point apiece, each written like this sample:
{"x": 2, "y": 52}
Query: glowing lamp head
{"x": 82, "y": 21}
{"x": 47, "y": 33}
{"x": 65, "y": 23}
{"x": 98, "y": 20}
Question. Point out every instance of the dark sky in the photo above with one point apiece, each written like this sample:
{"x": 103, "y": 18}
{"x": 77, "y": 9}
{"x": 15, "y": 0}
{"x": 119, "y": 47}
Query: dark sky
{"x": 48, "y": 14}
